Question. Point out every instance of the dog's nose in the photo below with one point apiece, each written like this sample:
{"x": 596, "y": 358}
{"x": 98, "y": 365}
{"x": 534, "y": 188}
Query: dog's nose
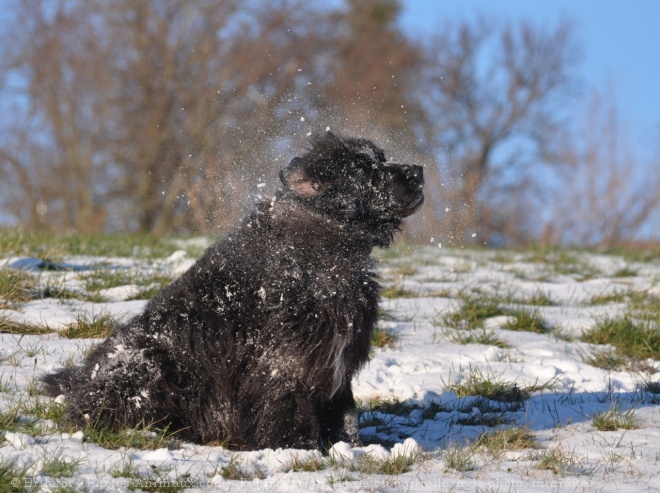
{"x": 414, "y": 172}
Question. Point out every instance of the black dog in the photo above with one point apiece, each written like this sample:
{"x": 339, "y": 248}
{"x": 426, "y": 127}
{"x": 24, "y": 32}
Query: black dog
{"x": 256, "y": 345}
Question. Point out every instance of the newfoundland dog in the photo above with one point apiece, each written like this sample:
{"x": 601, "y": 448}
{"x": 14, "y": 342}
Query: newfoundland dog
{"x": 255, "y": 346}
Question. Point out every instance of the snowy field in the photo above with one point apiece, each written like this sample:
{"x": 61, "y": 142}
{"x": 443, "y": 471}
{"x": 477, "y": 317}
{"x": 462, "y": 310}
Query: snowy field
{"x": 491, "y": 371}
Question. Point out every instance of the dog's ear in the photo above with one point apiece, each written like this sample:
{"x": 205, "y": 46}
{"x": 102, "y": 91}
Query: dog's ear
{"x": 295, "y": 180}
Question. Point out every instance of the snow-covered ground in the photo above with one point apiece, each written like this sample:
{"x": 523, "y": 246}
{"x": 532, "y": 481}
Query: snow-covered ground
{"x": 417, "y": 420}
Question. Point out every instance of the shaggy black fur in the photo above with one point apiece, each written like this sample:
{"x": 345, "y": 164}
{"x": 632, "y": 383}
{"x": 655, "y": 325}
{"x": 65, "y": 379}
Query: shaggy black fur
{"x": 256, "y": 345}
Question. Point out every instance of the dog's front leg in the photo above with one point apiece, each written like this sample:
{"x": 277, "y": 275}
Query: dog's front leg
{"x": 338, "y": 419}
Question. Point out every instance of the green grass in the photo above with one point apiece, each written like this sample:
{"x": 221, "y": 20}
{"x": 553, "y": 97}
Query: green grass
{"x": 475, "y": 336}
{"x": 397, "y": 291}
{"x": 16, "y": 286}
{"x": 383, "y": 338}
{"x": 393, "y": 407}
{"x": 607, "y": 359}
{"x": 461, "y": 459}
{"x": 46, "y": 411}
{"x": 615, "y": 419}
{"x": 528, "y": 321}
{"x": 12, "y": 478}
{"x": 473, "y": 311}
{"x": 604, "y": 299}
{"x": 6, "y": 384}
{"x": 625, "y": 272}
{"x": 632, "y": 338}
{"x": 29, "y": 415}
{"x": 8, "y": 326}
{"x": 55, "y": 290}
{"x": 403, "y": 271}
{"x": 9, "y": 420}
{"x": 636, "y": 253}
{"x": 234, "y": 471}
{"x": 490, "y": 387}
{"x": 507, "y": 439}
{"x": 58, "y": 467}
{"x": 49, "y": 246}
{"x": 155, "y": 481}
{"x": 559, "y": 461}
{"x": 313, "y": 463}
{"x": 565, "y": 262}
{"x": 142, "y": 438}
{"x": 539, "y": 298}
{"x": 391, "y": 466}
{"x": 42, "y": 408}
{"x": 150, "y": 284}
{"x": 97, "y": 326}
{"x": 109, "y": 278}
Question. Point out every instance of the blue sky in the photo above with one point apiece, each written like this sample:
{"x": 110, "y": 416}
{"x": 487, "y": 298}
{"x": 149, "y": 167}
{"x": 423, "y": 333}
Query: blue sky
{"x": 620, "y": 44}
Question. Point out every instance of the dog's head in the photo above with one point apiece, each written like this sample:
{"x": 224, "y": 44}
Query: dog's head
{"x": 350, "y": 180}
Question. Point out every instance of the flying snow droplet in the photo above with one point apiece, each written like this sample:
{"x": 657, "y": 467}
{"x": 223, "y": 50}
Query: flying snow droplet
{"x": 302, "y": 118}
{"x": 474, "y": 235}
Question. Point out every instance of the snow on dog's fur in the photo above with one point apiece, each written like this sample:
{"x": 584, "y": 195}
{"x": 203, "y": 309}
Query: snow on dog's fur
{"x": 256, "y": 345}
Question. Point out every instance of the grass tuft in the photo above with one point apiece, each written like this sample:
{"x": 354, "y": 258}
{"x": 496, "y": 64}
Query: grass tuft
{"x": 632, "y": 338}
{"x": 395, "y": 407}
{"x": 234, "y": 471}
{"x": 12, "y": 479}
{"x": 391, "y": 466}
{"x": 559, "y": 461}
{"x": 16, "y": 286}
{"x": 397, "y": 291}
{"x": 625, "y": 272}
{"x": 56, "y": 246}
{"x": 528, "y": 321}
{"x": 472, "y": 313}
{"x": 147, "y": 438}
{"x": 494, "y": 389}
{"x": 59, "y": 467}
{"x": 475, "y": 336}
{"x": 461, "y": 459}
{"x": 383, "y": 338}
{"x": 313, "y": 463}
{"x": 615, "y": 419}
{"x": 507, "y": 439}
{"x": 85, "y": 327}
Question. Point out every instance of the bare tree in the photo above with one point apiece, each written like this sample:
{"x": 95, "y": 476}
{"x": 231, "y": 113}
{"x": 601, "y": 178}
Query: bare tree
{"x": 50, "y": 141}
{"x": 495, "y": 96}
{"x": 169, "y": 113}
{"x": 611, "y": 193}
{"x": 138, "y": 103}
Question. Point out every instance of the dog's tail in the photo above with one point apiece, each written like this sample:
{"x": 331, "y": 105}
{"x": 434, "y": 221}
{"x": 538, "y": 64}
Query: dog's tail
{"x": 58, "y": 383}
